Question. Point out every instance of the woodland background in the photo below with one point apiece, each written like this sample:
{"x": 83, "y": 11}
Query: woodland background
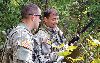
{"x": 74, "y": 15}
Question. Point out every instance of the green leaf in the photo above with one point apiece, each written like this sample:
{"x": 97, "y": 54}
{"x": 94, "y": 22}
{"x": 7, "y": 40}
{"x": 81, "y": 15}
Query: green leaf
{"x": 71, "y": 48}
{"x": 96, "y": 61}
{"x": 64, "y": 53}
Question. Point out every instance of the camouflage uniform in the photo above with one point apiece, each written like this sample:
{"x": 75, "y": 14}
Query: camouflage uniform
{"x": 21, "y": 44}
{"x": 45, "y": 52}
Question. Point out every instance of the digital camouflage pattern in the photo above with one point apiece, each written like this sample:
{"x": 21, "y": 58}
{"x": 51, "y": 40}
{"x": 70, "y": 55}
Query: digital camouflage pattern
{"x": 46, "y": 52}
{"x": 19, "y": 45}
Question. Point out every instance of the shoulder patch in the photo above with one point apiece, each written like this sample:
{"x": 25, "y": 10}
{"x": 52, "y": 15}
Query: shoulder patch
{"x": 25, "y": 44}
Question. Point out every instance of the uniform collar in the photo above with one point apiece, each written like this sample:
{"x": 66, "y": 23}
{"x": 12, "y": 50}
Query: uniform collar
{"x": 53, "y": 30}
{"x": 24, "y": 25}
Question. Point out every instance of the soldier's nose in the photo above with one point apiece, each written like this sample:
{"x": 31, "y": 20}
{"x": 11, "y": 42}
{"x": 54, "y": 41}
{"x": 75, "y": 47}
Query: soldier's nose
{"x": 56, "y": 21}
{"x": 39, "y": 20}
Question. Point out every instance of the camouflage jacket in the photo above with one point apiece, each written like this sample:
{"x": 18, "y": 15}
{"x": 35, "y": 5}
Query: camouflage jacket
{"x": 21, "y": 43}
{"x": 54, "y": 38}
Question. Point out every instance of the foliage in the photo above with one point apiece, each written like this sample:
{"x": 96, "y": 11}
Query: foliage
{"x": 73, "y": 14}
{"x": 68, "y": 50}
{"x": 75, "y": 60}
{"x": 94, "y": 44}
{"x": 96, "y": 61}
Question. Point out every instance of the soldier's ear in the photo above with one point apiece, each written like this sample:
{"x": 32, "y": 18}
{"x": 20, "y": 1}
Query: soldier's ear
{"x": 32, "y": 17}
{"x": 45, "y": 19}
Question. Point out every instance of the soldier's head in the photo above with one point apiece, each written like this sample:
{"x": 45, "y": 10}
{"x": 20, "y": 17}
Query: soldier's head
{"x": 31, "y": 15}
{"x": 51, "y": 18}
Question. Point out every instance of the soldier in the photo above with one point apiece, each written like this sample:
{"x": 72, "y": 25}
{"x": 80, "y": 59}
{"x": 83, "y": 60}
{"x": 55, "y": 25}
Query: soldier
{"x": 20, "y": 38}
{"x": 48, "y": 36}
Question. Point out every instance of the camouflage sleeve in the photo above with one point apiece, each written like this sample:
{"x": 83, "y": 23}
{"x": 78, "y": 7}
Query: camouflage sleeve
{"x": 22, "y": 45}
{"x": 40, "y": 37}
{"x": 23, "y": 39}
{"x": 62, "y": 37}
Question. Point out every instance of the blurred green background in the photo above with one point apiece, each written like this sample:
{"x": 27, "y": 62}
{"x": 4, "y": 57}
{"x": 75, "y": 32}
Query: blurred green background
{"x": 74, "y": 15}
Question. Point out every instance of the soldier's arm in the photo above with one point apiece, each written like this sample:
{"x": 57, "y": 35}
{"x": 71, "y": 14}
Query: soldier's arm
{"x": 62, "y": 37}
{"x": 22, "y": 39}
{"x": 41, "y": 37}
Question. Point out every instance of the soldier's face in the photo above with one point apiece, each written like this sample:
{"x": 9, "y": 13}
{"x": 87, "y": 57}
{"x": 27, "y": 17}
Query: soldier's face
{"x": 37, "y": 19}
{"x": 52, "y": 20}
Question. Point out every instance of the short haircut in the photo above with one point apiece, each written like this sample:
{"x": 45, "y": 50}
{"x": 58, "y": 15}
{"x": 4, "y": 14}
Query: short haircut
{"x": 29, "y": 9}
{"x": 49, "y": 11}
